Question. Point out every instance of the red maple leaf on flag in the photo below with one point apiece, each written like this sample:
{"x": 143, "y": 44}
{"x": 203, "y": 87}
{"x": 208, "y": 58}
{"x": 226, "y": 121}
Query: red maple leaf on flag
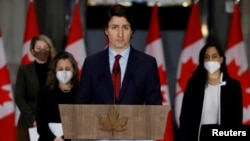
{"x": 163, "y": 81}
{"x": 234, "y": 69}
{"x": 186, "y": 74}
{"x": 245, "y": 90}
{"x": 3, "y": 81}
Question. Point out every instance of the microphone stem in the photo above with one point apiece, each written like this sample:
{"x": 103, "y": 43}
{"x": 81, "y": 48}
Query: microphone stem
{"x": 115, "y": 89}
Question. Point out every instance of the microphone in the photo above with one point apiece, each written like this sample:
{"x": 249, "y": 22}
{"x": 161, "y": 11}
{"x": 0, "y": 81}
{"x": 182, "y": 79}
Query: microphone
{"x": 116, "y": 70}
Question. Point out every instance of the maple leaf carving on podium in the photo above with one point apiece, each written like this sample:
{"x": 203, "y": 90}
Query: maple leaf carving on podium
{"x": 112, "y": 122}
{"x": 4, "y": 82}
{"x": 187, "y": 70}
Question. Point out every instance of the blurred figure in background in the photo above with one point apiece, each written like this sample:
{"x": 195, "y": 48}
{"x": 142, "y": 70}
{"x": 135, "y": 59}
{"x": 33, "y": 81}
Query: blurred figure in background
{"x": 212, "y": 98}
{"x": 61, "y": 88}
{"x": 30, "y": 78}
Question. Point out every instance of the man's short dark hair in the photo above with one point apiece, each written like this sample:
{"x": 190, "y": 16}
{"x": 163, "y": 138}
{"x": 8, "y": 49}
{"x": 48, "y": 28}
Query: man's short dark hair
{"x": 120, "y": 11}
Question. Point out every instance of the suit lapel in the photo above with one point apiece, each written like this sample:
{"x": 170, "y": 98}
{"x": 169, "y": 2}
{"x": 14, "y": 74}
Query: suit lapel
{"x": 104, "y": 58}
{"x": 129, "y": 74}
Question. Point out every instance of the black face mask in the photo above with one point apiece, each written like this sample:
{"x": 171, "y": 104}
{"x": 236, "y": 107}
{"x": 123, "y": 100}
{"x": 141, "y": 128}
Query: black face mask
{"x": 42, "y": 55}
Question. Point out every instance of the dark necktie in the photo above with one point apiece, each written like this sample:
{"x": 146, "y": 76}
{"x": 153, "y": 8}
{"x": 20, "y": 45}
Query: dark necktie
{"x": 116, "y": 76}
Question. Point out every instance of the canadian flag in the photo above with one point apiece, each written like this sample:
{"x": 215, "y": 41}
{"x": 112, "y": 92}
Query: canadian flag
{"x": 7, "y": 105}
{"x": 154, "y": 48}
{"x": 106, "y": 43}
{"x": 237, "y": 60}
{"x": 75, "y": 42}
{"x": 193, "y": 42}
{"x": 31, "y": 30}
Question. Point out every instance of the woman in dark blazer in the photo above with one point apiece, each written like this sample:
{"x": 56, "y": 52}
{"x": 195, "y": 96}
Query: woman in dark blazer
{"x": 30, "y": 78}
{"x": 212, "y": 99}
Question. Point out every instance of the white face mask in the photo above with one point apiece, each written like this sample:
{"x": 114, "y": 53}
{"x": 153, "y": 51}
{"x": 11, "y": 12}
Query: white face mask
{"x": 64, "y": 76}
{"x": 212, "y": 66}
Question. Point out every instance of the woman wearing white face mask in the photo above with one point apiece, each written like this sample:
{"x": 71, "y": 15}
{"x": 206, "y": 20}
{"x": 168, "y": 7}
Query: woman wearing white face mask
{"x": 60, "y": 89}
{"x": 212, "y": 99}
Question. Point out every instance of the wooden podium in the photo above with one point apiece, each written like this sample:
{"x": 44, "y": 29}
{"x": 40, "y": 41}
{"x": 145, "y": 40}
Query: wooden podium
{"x": 128, "y": 122}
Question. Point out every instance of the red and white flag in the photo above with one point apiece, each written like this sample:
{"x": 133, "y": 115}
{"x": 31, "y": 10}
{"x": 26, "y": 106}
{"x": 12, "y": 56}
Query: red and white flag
{"x": 7, "y": 105}
{"x": 106, "y": 43}
{"x": 193, "y": 42}
{"x": 154, "y": 48}
{"x": 31, "y": 30}
{"x": 75, "y": 42}
{"x": 237, "y": 60}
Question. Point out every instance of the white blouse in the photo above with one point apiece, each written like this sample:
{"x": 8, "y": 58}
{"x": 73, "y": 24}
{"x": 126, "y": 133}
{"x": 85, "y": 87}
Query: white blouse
{"x": 210, "y": 113}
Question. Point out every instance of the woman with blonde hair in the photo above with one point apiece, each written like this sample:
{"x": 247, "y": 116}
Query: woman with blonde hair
{"x": 30, "y": 78}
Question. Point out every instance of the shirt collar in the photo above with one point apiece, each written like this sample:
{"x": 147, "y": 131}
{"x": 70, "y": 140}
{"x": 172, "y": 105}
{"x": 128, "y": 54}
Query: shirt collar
{"x": 124, "y": 53}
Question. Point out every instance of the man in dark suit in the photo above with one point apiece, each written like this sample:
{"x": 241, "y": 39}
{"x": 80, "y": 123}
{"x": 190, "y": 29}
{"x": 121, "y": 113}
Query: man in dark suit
{"x": 131, "y": 78}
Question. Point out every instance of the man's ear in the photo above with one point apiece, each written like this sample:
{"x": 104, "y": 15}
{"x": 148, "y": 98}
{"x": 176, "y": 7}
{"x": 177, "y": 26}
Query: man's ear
{"x": 105, "y": 32}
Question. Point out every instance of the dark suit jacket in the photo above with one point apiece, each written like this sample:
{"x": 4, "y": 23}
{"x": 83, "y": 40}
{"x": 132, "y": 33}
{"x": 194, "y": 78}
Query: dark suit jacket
{"x": 192, "y": 105}
{"x": 26, "y": 91}
{"x": 141, "y": 84}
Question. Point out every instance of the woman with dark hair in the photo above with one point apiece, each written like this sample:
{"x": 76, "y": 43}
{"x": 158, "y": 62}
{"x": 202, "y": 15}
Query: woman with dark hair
{"x": 212, "y": 98}
{"x": 30, "y": 78}
{"x": 60, "y": 89}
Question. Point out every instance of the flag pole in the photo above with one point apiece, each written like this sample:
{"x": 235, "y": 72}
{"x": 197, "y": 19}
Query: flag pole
{"x": 156, "y": 2}
{"x": 196, "y": 1}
